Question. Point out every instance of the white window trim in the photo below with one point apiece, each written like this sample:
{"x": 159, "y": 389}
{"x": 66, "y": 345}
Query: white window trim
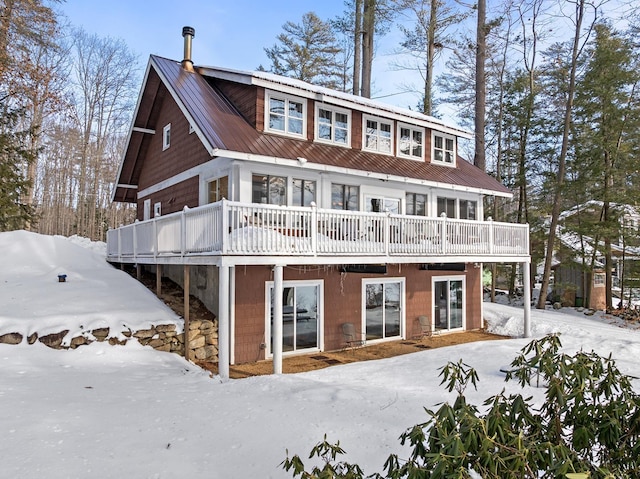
{"x": 445, "y": 137}
{"x": 273, "y": 94}
{"x": 157, "y": 209}
{"x": 166, "y": 136}
{"x": 436, "y": 279}
{"x": 267, "y": 316}
{"x": 146, "y": 209}
{"x": 457, "y": 199}
{"x": 333, "y": 110}
{"x": 403, "y": 309}
{"x": 599, "y": 280}
{"x": 398, "y": 136}
{"x": 364, "y": 133}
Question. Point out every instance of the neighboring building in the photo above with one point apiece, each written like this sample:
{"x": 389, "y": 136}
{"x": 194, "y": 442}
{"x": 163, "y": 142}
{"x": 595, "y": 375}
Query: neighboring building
{"x": 579, "y": 263}
{"x": 352, "y": 211}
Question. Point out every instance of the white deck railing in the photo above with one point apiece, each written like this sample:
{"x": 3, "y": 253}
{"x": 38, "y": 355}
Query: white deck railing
{"x": 231, "y": 228}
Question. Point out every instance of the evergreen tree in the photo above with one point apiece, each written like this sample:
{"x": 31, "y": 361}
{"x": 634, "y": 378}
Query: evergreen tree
{"x": 15, "y": 158}
{"x": 606, "y": 138}
{"x": 307, "y": 52}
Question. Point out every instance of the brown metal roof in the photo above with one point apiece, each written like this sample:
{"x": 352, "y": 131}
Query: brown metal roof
{"x": 223, "y": 127}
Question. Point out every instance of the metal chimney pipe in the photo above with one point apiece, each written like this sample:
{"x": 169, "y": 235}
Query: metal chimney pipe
{"x": 188, "y": 33}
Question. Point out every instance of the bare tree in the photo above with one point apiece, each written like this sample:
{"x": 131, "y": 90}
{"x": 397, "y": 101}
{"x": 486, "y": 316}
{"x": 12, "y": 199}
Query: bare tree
{"x": 577, "y": 45}
{"x": 105, "y": 80}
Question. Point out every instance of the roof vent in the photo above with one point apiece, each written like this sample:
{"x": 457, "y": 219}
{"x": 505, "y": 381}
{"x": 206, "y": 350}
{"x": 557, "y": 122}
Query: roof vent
{"x": 188, "y": 33}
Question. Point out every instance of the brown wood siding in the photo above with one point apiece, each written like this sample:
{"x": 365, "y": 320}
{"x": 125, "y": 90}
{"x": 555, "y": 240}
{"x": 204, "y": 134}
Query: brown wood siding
{"x": 342, "y": 301}
{"x": 173, "y": 198}
{"x": 427, "y": 145}
{"x": 356, "y": 129}
{"x": 243, "y": 97}
{"x": 185, "y": 150}
{"x": 311, "y": 120}
{"x": 260, "y": 109}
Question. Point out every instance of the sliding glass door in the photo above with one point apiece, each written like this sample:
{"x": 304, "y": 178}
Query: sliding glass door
{"x": 383, "y": 307}
{"x": 301, "y": 314}
{"x": 448, "y": 303}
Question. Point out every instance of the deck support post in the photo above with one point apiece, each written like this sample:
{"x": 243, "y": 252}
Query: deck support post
{"x": 232, "y": 314}
{"x": 158, "y": 280}
{"x": 138, "y": 271}
{"x": 526, "y": 287}
{"x": 276, "y": 332}
{"x": 223, "y": 322}
{"x": 186, "y": 286}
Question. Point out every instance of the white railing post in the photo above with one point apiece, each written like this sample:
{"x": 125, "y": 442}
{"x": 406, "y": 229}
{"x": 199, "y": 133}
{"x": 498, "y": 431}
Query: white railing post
{"x": 490, "y": 220}
{"x": 120, "y": 244}
{"x": 443, "y": 233}
{"x": 155, "y": 238}
{"x": 135, "y": 242}
{"x": 224, "y": 237}
{"x": 313, "y": 229}
{"x": 183, "y": 230}
{"x": 386, "y": 233}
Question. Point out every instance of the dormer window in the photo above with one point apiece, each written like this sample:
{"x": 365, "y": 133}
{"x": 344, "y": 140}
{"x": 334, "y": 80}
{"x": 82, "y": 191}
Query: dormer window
{"x": 411, "y": 142}
{"x": 378, "y": 135}
{"x": 333, "y": 125}
{"x": 443, "y": 149}
{"x": 285, "y": 114}
{"x": 166, "y": 137}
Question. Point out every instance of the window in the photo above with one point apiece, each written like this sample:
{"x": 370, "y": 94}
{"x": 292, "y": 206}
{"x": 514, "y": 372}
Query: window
{"x": 166, "y": 137}
{"x": 463, "y": 209}
{"x": 383, "y": 308}
{"x": 467, "y": 210}
{"x": 448, "y": 303}
{"x": 157, "y": 209}
{"x": 416, "y": 204}
{"x": 304, "y": 192}
{"x": 218, "y": 189}
{"x": 382, "y": 205}
{"x": 301, "y": 315}
{"x": 333, "y": 125}
{"x": 448, "y": 206}
{"x": 344, "y": 197}
{"x": 410, "y": 142}
{"x": 285, "y": 114}
{"x": 599, "y": 280}
{"x": 377, "y": 135}
{"x": 146, "y": 209}
{"x": 269, "y": 189}
{"x": 443, "y": 149}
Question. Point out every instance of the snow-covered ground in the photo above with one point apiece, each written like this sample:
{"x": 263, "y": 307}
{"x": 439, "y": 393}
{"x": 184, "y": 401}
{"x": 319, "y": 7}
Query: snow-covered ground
{"x": 100, "y": 411}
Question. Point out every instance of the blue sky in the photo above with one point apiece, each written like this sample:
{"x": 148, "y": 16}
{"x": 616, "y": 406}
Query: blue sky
{"x": 229, "y": 33}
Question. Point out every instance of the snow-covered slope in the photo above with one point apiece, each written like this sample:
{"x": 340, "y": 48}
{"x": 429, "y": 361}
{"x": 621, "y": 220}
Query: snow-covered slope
{"x": 129, "y": 411}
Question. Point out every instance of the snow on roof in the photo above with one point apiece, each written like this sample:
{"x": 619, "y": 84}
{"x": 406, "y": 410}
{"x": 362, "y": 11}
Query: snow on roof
{"x": 216, "y": 71}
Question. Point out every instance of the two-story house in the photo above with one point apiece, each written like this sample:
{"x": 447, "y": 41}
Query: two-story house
{"x": 304, "y": 208}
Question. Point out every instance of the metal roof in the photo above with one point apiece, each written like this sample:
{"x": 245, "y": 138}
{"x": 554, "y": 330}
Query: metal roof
{"x": 222, "y": 129}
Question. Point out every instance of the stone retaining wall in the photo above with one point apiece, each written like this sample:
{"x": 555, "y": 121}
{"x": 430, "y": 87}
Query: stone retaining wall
{"x": 202, "y": 339}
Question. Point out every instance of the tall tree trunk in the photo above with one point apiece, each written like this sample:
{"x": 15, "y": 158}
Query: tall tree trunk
{"x": 368, "y": 23}
{"x": 357, "y": 48}
{"x": 431, "y": 53}
{"x": 560, "y": 179}
{"x": 481, "y": 92}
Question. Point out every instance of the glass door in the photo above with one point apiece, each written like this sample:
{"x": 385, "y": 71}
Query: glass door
{"x": 382, "y": 309}
{"x": 448, "y": 304}
{"x": 300, "y": 317}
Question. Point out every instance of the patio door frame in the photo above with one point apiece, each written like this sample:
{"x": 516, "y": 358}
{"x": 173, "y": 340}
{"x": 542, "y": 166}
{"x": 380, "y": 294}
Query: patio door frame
{"x": 402, "y": 305}
{"x": 319, "y": 316}
{"x": 448, "y": 279}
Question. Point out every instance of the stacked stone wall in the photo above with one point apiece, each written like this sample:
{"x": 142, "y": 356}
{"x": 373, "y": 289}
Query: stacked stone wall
{"x": 202, "y": 338}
